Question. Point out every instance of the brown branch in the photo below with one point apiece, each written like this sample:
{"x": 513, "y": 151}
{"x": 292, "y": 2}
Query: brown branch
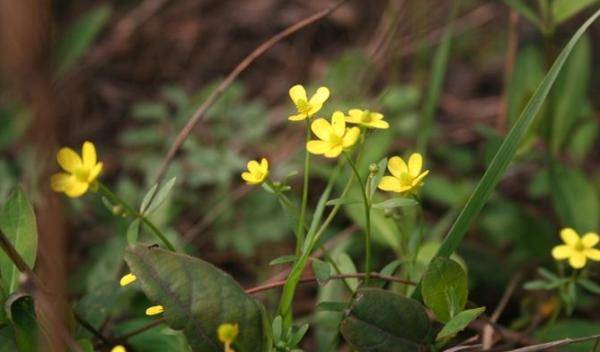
{"x": 509, "y": 64}
{"x": 488, "y": 331}
{"x": 280, "y": 283}
{"x": 557, "y": 343}
{"x": 214, "y": 96}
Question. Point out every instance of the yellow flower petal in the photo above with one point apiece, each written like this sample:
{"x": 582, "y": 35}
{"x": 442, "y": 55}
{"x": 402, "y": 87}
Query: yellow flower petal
{"x": 593, "y": 254}
{"x": 298, "y": 117}
{"x": 355, "y": 113}
{"x": 375, "y": 116}
{"x": 297, "y": 93}
{"x": 350, "y": 137}
{"x": 317, "y": 147}
{"x": 249, "y": 178}
{"x": 390, "y": 184}
{"x": 338, "y": 123}
{"x": 88, "y": 154}
{"x": 379, "y": 124}
{"x": 127, "y": 279}
{"x": 118, "y": 348}
{"x": 253, "y": 166}
{"x": 68, "y": 159}
{"x": 76, "y": 188}
{"x": 322, "y": 129}
{"x": 397, "y": 166}
{"x": 155, "y": 310}
{"x": 59, "y": 182}
{"x": 415, "y": 163}
{"x": 333, "y": 152}
{"x": 418, "y": 180}
{"x": 569, "y": 236}
{"x": 590, "y": 239}
{"x": 320, "y": 96}
{"x": 264, "y": 165}
{"x": 577, "y": 260}
{"x": 95, "y": 172}
{"x": 561, "y": 252}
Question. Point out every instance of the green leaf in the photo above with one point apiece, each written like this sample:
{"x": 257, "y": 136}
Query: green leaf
{"x": 322, "y": 270}
{"x": 283, "y": 260}
{"x": 381, "y": 166}
{"x": 343, "y": 201}
{"x": 298, "y": 335}
{"x": 148, "y": 197}
{"x": 20, "y": 310}
{"x": 523, "y": 10}
{"x": 277, "y": 328}
{"x": 569, "y": 328}
{"x": 161, "y": 195}
{"x": 562, "y": 10}
{"x": 346, "y": 266}
{"x": 17, "y": 222}
{"x": 506, "y": 152}
{"x": 589, "y": 285}
{"x": 384, "y": 321}
{"x": 198, "y": 297}
{"x": 570, "y": 91}
{"x": 133, "y": 231}
{"x": 445, "y": 288}
{"x": 395, "y": 203}
{"x": 332, "y": 306}
{"x": 459, "y": 322}
{"x": 574, "y": 198}
{"x": 79, "y": 38}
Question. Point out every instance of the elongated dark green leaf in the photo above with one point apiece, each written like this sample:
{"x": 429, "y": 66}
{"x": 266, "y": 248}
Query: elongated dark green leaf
{"x": 197, "y": 298}
{"x": 79, "y": 38}
{"x": 506, "y": 152}
{"x": 17, "y": 222}
{"x": 445, "y": 288}
{"x": 434, "y": 89}
{"x": 459, "y": 322}
{"x": 383, "y": 321}
{"x": 20, "y": 311}
{"x": 285, "y": 259}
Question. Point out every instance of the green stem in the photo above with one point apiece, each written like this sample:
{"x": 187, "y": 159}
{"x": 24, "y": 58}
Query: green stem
{"x": 116, "y": 200}
{"x": 300, "y": 229}
{"x": 367, "y": 205}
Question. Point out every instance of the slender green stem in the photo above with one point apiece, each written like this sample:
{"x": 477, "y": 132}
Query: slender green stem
{"x": 367, "y": 205}
{"x": 129, "y": 210}
{"x": 300, "y": 229}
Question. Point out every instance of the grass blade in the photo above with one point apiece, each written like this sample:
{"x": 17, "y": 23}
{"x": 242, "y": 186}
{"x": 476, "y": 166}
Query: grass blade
{"x": 506, "y": 152}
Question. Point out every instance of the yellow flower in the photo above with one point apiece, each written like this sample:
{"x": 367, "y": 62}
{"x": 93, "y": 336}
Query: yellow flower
{"x": 118, "y": 348}
{"x": 257, "y": 173}
{"x": 577, "y": 249}
{"x": 333, "y": 137}
{"x": 405, "y": 178}
{"x": 127, "y": 279}
{"x": 80, "y": 171}
{"x": 367, "y": 118}
{"x": 307, "y": 107}
{"x": 154, "y": 310}
{"x": 227, "y": 334}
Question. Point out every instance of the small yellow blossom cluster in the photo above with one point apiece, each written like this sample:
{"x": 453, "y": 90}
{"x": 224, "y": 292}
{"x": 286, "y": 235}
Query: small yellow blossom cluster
{"x": 577, "y": 249}
{"x": 227, "y": 334}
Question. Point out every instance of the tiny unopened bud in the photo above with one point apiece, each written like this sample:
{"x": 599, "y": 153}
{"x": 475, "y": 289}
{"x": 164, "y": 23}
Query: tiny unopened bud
{"x": 117, "y": 209}
{"x": 388, "y": 212}
{"x": 373, "y": 169}
{"x": 277, "y": 184}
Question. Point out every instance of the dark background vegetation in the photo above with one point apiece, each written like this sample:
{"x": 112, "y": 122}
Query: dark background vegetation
{"x": 128, "y": 74}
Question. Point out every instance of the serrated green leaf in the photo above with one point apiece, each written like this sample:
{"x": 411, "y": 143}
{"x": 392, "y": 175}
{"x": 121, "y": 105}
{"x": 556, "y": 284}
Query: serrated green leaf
{"x": 17, "y": 222}
{"x": 197, "y": 298}
{"x": 459, "y": 322}
{"x": 506, "y": 152}
{"x": 395, "y": 203}
{"x": 445, "y": 288}
{"x": 383, "y": 321}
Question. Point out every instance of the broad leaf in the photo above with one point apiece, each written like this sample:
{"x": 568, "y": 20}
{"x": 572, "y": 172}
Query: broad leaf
{"x": 444, "y": 288}
{"x": 459, "y": 322}
{"x": 322, "y": 270}
{"x": 20, "y": 310}
{"x": 17, "y": 222}
{"x": 380, "y": 320}
{"x": 198, "y": 297}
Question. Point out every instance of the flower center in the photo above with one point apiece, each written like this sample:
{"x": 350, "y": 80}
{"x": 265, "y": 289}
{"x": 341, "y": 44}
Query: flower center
{"x": 366, "y": 116}
{"x": 303, "y": 106}
{"x": 406, "y": 179}
{"x": 579, "y": 247}
{"x": 335, "y": 140}
{"x": 81, "y": 174}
